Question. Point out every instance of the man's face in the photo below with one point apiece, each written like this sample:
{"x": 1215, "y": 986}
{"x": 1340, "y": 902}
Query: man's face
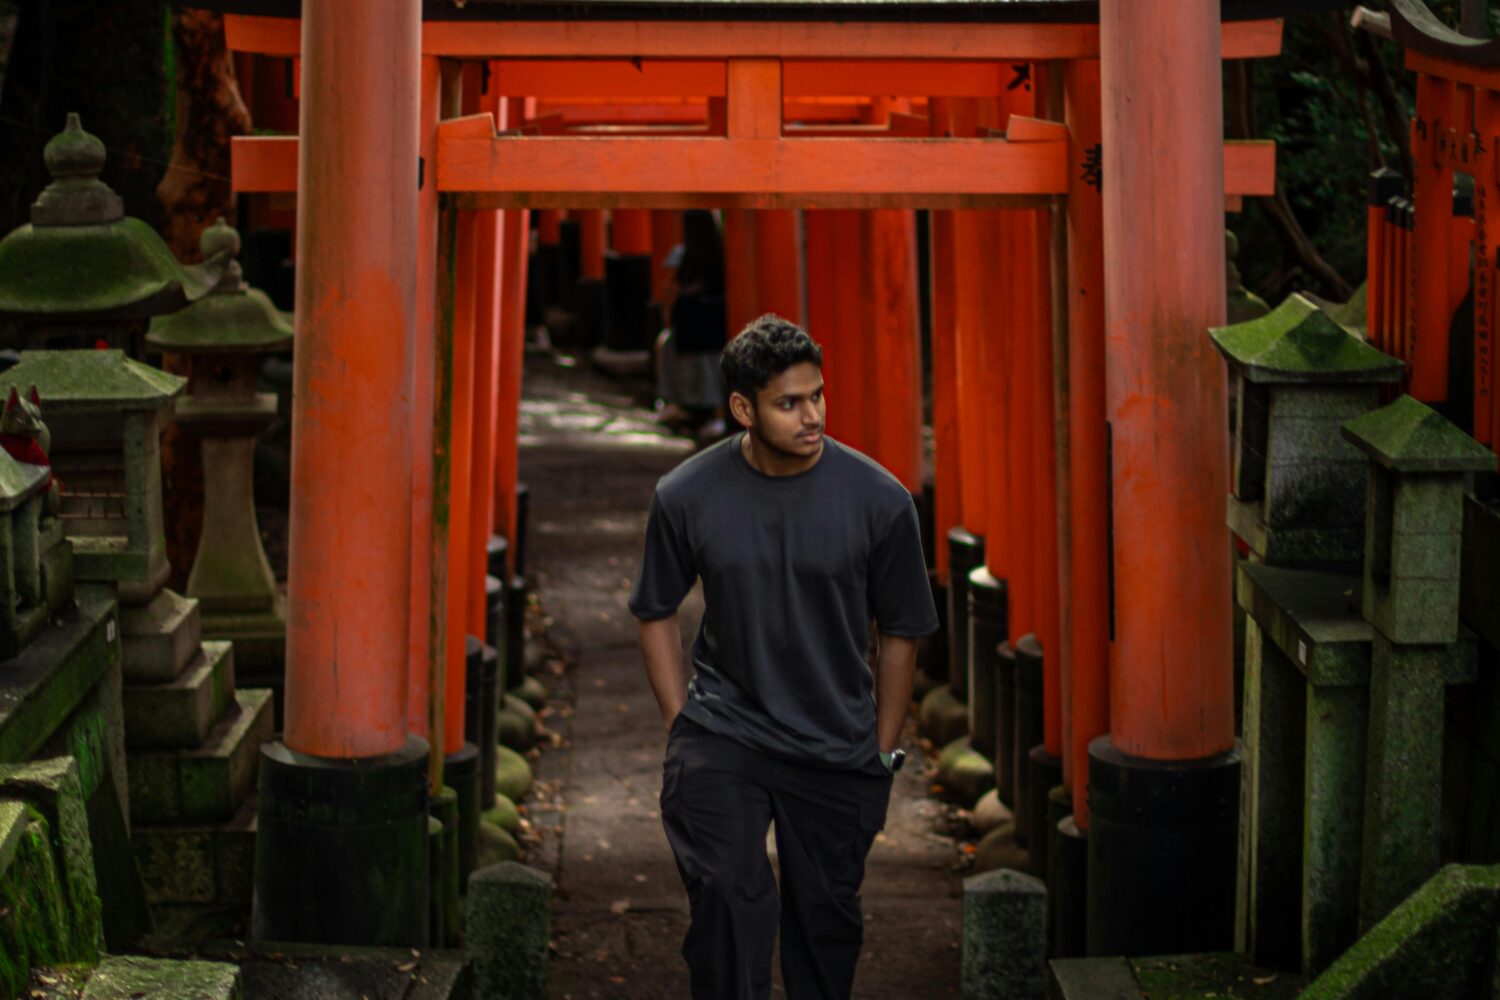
{"x": 789, "y": 411}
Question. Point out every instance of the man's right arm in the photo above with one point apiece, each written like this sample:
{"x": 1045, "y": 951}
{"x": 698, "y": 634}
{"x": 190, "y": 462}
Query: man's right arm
{"x": 661, "y": 649}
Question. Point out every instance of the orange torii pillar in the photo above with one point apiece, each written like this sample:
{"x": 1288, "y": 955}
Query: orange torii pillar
{"x": 1164, "y": 783}
{"x": 343, "y": 795}
{"x": 590, "y": 294}
{"x": 762, "y": 266}
{"x": 481, "y": 660}
{"x": 1086, "y": 693}
{"x": 515, "y": 228}
{"x": 627, "y": 271}
{"x": 891, "y": 343}
{"x": 834, "y": 309}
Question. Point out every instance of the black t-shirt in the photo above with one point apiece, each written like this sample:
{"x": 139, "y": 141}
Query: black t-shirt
{"x": 794, "y": 569}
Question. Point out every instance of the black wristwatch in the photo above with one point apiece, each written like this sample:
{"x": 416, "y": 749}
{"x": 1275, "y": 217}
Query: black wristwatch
{"x": 893, "y": 760}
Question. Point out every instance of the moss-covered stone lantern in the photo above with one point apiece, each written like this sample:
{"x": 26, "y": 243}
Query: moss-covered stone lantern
{"x": 1419, "y": 466}
{"x": 82, "y": 272}
{"x": 224, "y": 334}
{"x": 105, "y": 413}
{"x": 1298, "y": 488}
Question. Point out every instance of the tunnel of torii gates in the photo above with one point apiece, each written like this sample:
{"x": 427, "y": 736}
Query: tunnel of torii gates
{"x": 1076, "y": 175}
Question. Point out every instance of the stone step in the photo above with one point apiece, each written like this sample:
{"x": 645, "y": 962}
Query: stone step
{"x": 180, "y": 713}
{"x": 207, "y": 784}
{"x": 121, "y": 977}
{"x": 160, "y": 637}
{"x": 199, "y": 864}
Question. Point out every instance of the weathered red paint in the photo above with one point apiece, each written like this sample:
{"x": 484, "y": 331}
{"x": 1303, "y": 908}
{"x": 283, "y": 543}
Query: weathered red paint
{"x": 350, "y": 531}
{"x": 1088, "y": 463}
{"x": 1171, "y": 684}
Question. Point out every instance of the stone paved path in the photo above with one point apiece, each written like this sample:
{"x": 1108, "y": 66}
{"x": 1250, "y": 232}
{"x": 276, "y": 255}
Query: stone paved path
{"x": 591, "y": 459}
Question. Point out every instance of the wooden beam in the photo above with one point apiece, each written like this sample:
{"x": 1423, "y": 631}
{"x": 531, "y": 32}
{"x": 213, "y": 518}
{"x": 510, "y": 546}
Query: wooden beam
{"x": 804, "y": 167}
{"x": 701, "y": 40}
{"x": 660, "y": 172}
{"x": 618, "y": 79}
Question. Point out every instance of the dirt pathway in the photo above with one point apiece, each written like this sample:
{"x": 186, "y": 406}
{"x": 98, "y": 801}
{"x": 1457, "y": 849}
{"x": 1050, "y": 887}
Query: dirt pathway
{"x": 591, "y": 458}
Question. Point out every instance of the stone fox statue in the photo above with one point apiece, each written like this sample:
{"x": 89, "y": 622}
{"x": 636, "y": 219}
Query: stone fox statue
{"x": 26, "y": 438}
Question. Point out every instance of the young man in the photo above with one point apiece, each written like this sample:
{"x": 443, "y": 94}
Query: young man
{"x": 800, "y": 542}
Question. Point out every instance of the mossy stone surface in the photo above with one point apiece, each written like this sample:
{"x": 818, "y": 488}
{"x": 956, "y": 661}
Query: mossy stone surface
{"x": 1298, "y": 342}
{"x": 126, "y": 978}
{"x": 496, "y": 845}
{"x": 512, "y": 774}
{"x": 92, "y": 381}
{"x": 508, "y": 926}
{"x": 503, "y": 814}
{"x": 530, "y": 691}
{"x": 1409, "y": 436}
{"x": 1439, "y": 942}
{"x": 516, "y": 728}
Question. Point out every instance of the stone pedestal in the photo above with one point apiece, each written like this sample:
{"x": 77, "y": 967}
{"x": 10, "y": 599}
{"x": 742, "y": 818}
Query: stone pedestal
{"x": 508, "y": 930}
{"x": 1004, "y": 936}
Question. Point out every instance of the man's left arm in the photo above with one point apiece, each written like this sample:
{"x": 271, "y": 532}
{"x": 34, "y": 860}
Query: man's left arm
{"x": 895, "y": 665}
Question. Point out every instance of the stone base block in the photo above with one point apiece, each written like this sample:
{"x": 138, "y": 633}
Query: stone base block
{"x": 515, "y": 726}
{"x": 989, "y": 812}
{"x": 965, "y": 775}
{"x": 999, "y": 849}
{"x": 122, "y": 978}
{"x": 496, "y": 844}
{"x": 503, "y": 813}
{"x": 180, "y": 713}
{"x": 507, "y": 928}
{"x": 1004, "y": 937}
{"x": 160, "y": 637}
{"x": 531, "y": 691}
{"x": 206, "y": 784}
{"x": 942, "y": 718}
{"x": 512, "y": 773}
{"x": 199, "y": 864}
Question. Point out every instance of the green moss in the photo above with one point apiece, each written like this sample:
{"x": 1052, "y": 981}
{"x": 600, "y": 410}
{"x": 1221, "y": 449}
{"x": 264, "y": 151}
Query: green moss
{"x": 35, "y": 925}
{"x": 1298, "y": 342}
{"x": 1409, "y": 436}
{"x": 1192, "y": 977}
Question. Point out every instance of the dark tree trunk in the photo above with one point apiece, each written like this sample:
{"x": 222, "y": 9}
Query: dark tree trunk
{"x": 193, "y": 193}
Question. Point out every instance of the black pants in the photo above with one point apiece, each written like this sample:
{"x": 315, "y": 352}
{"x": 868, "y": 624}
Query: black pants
{"x": 718, "y": 798}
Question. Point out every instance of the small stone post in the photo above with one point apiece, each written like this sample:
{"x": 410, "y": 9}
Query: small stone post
{"x": 1004, "y": 936}
{"x": 1419, "y": 466}
{"x": 507, "y": 929}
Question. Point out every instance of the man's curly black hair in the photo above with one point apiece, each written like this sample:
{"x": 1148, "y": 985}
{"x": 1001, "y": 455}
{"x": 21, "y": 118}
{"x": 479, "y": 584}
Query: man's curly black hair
{"x": 766, "y": 347}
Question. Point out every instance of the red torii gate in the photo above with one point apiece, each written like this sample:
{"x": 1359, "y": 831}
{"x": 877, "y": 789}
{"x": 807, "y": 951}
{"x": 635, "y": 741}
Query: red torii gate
{"x": 745, "y": 157}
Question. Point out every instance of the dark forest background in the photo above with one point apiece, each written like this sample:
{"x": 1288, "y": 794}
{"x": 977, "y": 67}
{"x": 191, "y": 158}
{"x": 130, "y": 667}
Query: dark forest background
{"x": 1337, "y": 102}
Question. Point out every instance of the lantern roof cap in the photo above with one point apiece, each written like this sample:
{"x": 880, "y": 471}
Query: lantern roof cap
{"x": 1299, "y": 342}
{"x": 233, "y": 318}
{"x": 86, "y": 381}
{"x": 1409, "y": 436}
{"x": 82, "y": 258}
{"x": 18, "y": 480}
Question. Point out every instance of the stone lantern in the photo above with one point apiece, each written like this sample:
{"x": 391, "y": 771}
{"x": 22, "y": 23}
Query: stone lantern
{"x": 82, "y": 272}
{"x": 1298, "y": 488}
{"x": 224, "y": 335}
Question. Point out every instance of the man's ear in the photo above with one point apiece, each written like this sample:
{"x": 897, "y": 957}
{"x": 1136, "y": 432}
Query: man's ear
{"x": 742, "y": 409}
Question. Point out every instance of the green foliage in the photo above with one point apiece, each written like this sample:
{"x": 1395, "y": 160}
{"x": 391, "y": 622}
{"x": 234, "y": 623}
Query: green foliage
{"x": 1319, "y": 114}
